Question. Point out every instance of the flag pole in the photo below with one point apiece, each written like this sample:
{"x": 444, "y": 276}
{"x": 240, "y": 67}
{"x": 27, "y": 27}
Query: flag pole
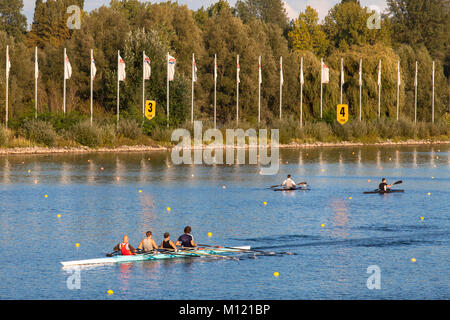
{"x": 92, "y": 100}
{"x": 143, "y": 85}
{"x": 342, "y": 70}
{"x": 36, "y": 74}
{"x": 192, "y": 94}
{"x": 398, "y": 87}
{"x": 215, "y": 89}
{"x": 64, "y": 98}
{"x": 432, "y": 101}
{"x": 237, "y": 91}
{"x": 321, "y": 85}
{"x": 281, "y": 83}
{"x": 301, "y": 93}
{"x": 415, "y": 96}
{"x": 379, "y": 91}
{"x": 118, "y": 88}
{"x": 167, "y": 91}
{"x": 259, "y": 91}
{"x": 7, "y": 83}
{"x": 360, "y": 89}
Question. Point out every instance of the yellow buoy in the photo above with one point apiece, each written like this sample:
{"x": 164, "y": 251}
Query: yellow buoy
{"x": 265, "y": 203}
{"x": 140, "y": 191}
{"x": 350, "y": 198}
{"x": 45, "y": 196}
{"x": 421, "y": 218}
{"x": 77, "y": 245}
{"x": 168, "y": 209}
{"x": 429, "y": 193}
{"x": 210, "y": 234}
{"x": 413, "y": 259}
{"x": 322, "y": 225}
{"x": 276, "y": 274}
{"x": 59, "y": 216}
{"x": 432, "y": 177}
{"x": 110, "y": 292}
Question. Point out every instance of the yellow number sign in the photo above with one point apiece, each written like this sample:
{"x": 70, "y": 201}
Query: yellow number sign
{"x": 150, "y": 108}
{"x": 342, "y": 113}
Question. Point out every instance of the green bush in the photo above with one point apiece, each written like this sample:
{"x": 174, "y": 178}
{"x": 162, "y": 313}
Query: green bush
{"x": 39, "y": 131}
{"x": 129, "y": 128}
{"x": 86, "y": 134}
{"x": 4, "y": 136}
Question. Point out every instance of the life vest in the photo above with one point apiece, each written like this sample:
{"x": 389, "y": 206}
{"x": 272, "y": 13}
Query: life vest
{"x": 125, "y": 249}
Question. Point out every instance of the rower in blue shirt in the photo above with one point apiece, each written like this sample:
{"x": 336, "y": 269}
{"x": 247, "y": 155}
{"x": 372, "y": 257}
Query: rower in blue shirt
{"x": 186, "y": 239}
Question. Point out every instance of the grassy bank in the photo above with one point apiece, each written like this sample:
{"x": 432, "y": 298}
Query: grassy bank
{"x": 74, "y": 130}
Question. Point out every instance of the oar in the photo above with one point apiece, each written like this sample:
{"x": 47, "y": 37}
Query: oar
{"x": 112, "y": 254}
{"x": 395, "y": 183}
{"x": 195, "y": 252}
{"x": 246, "y": 250}
{"x": 279, "y": 185}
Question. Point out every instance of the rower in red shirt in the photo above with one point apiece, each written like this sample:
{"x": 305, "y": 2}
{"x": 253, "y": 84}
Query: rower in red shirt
{"x": 125, "y": 248}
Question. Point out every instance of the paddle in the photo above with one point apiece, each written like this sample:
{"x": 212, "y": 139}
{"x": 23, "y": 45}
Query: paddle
{"x": 395, "y": 183}
{"x": 279, "y": 185}
{"x": 247, "y": 250}
{"x": 171, "y": 251}
{"x": 112, "y": 254}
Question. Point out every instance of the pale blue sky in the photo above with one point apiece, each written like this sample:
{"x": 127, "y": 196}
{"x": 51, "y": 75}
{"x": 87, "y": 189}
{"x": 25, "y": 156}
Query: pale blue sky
{"x": 293, "y": 6}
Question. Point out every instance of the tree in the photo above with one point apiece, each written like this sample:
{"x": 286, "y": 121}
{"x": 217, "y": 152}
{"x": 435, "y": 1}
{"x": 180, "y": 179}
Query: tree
{"x": 307, "y": 34}
{"x": 268, "y": 11}
{"x": 423, "y": 21}
{"x": 11, "y": 18}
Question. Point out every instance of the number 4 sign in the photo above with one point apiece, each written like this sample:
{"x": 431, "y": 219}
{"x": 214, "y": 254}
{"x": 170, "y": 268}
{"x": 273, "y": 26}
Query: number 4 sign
{"x": 342, "y": 113}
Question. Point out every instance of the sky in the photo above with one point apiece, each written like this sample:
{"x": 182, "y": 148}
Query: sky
{"x": 293, "y": 7}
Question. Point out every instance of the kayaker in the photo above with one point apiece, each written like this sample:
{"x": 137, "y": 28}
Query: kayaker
{"x": 186, "y": 239}
{"x": 147, "y": 244}
{"x": 384, "y": 186}
{"x": 167, "y": 243}
{"x": 289, "y": 183}
{"x": 125, "y": 248}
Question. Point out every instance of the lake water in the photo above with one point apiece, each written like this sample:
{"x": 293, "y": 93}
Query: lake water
{"x": 98, "y": 206}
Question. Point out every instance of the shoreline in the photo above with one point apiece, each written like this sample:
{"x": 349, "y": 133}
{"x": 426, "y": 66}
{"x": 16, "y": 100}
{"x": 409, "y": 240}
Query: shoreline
{"x": 143, "y": 148}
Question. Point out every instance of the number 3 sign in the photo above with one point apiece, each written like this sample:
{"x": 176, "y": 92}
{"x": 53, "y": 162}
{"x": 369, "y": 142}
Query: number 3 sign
{"x": 150, "y": 107}
{"x": 342, "y": 113}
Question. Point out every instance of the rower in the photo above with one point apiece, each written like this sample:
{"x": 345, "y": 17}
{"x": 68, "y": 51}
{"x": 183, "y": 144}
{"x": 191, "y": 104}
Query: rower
{"x": 289, "y": 183}
{"x": 147, "y": 244}
{"x": 186, "y": 239}
{"x": 384, "y": 186}
{"x": 125, "y": 248}
{"x": 167, "y": 243}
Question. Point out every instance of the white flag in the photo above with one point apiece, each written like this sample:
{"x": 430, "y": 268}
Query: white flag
{"x": 93, "y": 68}
{"x": 171, "y": 67}
{"x": 36, "y": 67}
{"x": 194, "y": 69}
{"x": 415, "y": 77}
{"x": 360, "y": 72}
{"x": 215, "y": 69}
{"x": 281, "y": 71}
{"x": 379, "y": 75}
{"x": 302, "y": 79}
{"x": 8, "y": 63}
{"x": 121, "y": 69}
{"x": 260, "y": 73}
{"x": 342, "y": 73}
{"x": 399, "y": 81}
{"x": 67, "y": 68}
{"x": 325, "y": 73}
{"x": 147, "y": 68}
{"x": 238, "y": 70}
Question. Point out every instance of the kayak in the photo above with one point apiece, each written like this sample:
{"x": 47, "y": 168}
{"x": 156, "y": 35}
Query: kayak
{"x": 291, "y": 189}
{"x": 383, "y": 192}
{"x": 201, "y": 252}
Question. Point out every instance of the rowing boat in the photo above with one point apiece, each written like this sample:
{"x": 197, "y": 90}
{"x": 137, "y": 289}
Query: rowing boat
{"x": 291, "y": 189}
{"x": 383, "y": 192}
{"x": 201, "y": 252}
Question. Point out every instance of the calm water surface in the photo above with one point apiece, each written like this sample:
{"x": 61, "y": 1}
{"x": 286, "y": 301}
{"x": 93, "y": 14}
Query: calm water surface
{"x": 98, "y": 206}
